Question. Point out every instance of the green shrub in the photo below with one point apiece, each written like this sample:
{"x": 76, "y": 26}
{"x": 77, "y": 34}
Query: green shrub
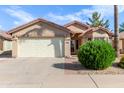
{"x": 97, "y": 54}
{"x": 121, "y": 63}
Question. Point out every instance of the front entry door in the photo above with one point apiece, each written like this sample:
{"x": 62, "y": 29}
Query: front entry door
{"x": 74, "y": 46}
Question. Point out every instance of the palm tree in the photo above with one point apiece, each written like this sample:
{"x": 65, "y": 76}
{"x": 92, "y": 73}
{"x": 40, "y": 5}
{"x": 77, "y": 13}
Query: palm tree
{"x": 121, "y": 29}
{"x": 116, "y": 32}
{"x": 96, "y": 21}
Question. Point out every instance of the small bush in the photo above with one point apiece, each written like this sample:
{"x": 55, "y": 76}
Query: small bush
{"x": 97, "y": 54}
{"x": 121, "y": 63}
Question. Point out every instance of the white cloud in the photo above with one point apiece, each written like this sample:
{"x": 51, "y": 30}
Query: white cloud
{"x": 106, "y": 11}
{"x": 18, "y": 13}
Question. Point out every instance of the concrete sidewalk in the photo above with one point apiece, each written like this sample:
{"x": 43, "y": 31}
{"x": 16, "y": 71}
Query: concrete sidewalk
{"x": 85, "y": 81}
{"x": 68, "y": 81}
{"x": 108, "y": 81}
{"x": 64, "y": 81}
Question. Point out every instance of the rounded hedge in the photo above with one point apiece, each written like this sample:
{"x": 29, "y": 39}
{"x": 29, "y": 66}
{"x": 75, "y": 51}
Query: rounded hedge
{"x": 96, "y": 54}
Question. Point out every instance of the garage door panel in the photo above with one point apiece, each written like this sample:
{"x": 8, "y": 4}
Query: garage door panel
{"x": 41, "y": 47}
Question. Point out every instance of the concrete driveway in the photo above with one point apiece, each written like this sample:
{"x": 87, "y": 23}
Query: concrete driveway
{"x": 42, "y": 72}
{"x": 38, "y": 72}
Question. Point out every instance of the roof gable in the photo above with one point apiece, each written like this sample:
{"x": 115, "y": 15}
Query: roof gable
{"x": 5, "y": 36}
{"x": 77, "y": 27}
{"x": 39, "y": 20}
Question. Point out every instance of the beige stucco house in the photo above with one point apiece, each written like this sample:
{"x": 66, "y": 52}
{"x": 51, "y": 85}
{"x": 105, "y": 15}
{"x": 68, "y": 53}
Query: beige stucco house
{"x": 42, "y": 38}
{"x": 121, "y": 42}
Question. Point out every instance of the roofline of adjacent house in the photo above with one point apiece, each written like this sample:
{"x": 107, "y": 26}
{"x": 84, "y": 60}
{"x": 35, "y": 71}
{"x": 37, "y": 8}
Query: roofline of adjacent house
{"x": 37, "y": 21}
{"x": 6, "y": 36}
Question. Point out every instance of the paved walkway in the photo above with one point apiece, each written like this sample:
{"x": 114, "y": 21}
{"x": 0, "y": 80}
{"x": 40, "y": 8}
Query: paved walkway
{"x": 42, "y": 72}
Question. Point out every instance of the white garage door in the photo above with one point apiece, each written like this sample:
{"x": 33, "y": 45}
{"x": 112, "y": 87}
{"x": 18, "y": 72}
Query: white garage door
{"x": 52, "y": 47}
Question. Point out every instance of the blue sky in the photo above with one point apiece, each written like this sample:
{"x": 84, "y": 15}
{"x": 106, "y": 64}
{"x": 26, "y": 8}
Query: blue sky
{"x": 13, "y": 16}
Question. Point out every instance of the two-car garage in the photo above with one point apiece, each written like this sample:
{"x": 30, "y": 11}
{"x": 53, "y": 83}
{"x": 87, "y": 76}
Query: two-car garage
{"x": 50, "y": 47}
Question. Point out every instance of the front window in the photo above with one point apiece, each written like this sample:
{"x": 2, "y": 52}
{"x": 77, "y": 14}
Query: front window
{"x": 89, "y": 39}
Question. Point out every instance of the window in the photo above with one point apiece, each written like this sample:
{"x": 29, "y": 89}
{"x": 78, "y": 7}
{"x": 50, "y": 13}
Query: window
{"x": 89, "y": 39}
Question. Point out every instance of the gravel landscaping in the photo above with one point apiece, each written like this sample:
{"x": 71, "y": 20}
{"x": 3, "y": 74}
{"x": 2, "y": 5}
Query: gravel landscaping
{"x": 72, "y": 66}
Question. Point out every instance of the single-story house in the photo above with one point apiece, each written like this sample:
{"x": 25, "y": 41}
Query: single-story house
{"x": 42, "y": 38}
{"x": 5, "y": 41}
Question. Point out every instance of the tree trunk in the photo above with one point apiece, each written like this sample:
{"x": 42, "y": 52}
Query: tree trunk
{"x": 116, "y": 32}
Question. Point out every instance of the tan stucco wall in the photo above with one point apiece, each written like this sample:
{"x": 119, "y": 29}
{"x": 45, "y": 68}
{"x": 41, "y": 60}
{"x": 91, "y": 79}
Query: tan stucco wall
{"x": 96, "y": 34}
{"x": 1, "y": 45}
{"x": 41, "y": 31}
{"x": 120, "y": 44}
{"x": 102, "y": 34}
{"x": 121, "y": 35}
{"x": 14, "y": 47}
{"x": 67, "y": 46}
{"x": 121, "y": 41}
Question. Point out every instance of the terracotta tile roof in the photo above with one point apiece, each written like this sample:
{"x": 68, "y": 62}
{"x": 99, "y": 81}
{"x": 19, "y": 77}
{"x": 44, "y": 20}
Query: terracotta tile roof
{"x": 5, "y": 36}
{"x": 35, "y": 22}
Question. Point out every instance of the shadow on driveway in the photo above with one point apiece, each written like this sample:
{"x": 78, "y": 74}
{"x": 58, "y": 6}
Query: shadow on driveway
{"x": 69, "y": 66}
{"x": 76, "y": 66}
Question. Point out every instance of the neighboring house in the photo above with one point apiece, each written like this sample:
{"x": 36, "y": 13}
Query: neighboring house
{"x": 42, "y": 38}
{"x": 82, "y": 33}
{"x": 5, "y": 41}
{"x": 121, "y": 42}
